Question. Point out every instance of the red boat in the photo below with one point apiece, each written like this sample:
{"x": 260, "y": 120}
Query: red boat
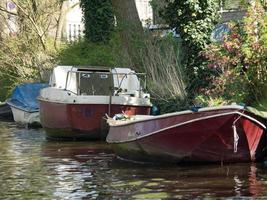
{"x": 79, "y": 97}
{"x": 218, "y": 134}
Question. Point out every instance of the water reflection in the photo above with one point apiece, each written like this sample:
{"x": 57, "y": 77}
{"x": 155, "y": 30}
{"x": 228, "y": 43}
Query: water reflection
{"x": 33, "y": 168}
{"x": 72, "y": 165}
{"x": 239, "y": 180}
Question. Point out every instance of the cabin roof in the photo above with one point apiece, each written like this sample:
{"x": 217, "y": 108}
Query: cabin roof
{"x": 93, "y": 68}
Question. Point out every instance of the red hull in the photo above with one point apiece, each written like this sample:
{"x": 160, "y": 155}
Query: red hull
{"x": 81, "y": 121}
{"x": 195, "y": 137}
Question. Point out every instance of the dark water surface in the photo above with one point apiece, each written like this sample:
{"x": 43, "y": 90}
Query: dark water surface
{"x": 33, "y": 168}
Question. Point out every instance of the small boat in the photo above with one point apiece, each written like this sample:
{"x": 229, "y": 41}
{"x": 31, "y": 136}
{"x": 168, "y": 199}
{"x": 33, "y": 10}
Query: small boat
{"x": 24, "y": 104}
{"x": 5, "y": 112}
{"x": 215, "y": 134}
{"x": 75, "y": 104}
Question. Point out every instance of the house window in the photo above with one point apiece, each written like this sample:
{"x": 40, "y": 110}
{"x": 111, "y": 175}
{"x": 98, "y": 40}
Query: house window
{"x": 79, "y": 30}
{"x": 74, "y": 31}
{"x": 70, "y": 32}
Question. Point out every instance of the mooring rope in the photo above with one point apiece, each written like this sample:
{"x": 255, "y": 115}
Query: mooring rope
{"x": 236, "y": 136}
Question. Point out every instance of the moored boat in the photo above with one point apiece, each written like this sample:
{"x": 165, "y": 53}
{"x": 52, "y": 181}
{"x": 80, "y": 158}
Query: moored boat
{"x": 24, "y": 104}
{"x": 5, "y": 112}
{"x": 216, "y": 134}
{"x": 79, "y": 97}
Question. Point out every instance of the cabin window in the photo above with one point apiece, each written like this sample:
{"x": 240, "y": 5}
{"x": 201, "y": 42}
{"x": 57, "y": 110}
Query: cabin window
{"x": 103, "y": 76}
{"x": 85, "y": 75}
{"x": 95, "y": 83}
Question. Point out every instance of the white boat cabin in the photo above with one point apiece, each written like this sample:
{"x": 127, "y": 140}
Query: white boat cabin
{"x": 97, "y": 81}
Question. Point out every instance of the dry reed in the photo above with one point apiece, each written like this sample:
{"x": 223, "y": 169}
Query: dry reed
{"x": 161, "y": 62}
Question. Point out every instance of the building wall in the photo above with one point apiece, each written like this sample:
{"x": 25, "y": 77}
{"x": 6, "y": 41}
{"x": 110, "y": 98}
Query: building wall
{"x": 74, "y": 26}
{"x": 145, "y": 12}
{"x": 8, "y": 22}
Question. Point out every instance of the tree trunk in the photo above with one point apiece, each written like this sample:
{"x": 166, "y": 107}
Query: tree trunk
{"x": 60, "y": 23}
{"x": 130, "y": 27}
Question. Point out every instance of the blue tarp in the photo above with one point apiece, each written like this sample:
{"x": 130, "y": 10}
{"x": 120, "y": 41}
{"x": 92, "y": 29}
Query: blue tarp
{"x": 24, "y": 96}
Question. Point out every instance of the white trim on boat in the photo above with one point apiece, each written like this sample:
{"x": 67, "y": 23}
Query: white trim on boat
{"x": 131, "y": 101}
{"x": 56, "y": 95}
{"x": 20, "y": 108}
{"x": 141, "y": 118}
{"x": 187, "y": 122}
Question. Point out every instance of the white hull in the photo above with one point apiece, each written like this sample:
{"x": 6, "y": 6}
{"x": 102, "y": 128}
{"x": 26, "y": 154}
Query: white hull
{"x": 25, "y": 118}
{"x": 57, "y": 95}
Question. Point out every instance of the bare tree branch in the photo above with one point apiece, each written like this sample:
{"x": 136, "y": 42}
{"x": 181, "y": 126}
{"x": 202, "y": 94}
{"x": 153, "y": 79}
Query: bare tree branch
{"x": 39, "y": 31}
{"x": 6, "y": 11}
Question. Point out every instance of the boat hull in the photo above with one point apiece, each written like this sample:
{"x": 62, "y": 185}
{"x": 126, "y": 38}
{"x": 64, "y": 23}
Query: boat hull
{"x": 213, "y": 136}
{"x": 5, "y": 112}
{"x": 81, "y": 121}
{"x": 25, "y": 118}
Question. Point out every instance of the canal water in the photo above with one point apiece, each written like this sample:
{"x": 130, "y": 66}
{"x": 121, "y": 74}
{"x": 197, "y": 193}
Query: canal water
{"x": 33, "y": 168}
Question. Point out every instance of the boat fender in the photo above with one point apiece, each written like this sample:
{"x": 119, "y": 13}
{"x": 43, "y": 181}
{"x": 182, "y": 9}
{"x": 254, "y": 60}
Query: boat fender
{"x": 121, "y": 116}
{"x": 195, "y": 108}
{"x": 242, "y": 104}
{"x": 236, "y": 138}
{"x": 155, "y": 110}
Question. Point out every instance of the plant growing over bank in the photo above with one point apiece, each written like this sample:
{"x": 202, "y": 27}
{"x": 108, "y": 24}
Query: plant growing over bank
{"x": 194, "y": 20}
{"x": 241, "y": 59}
{"x": 84, "y": 52}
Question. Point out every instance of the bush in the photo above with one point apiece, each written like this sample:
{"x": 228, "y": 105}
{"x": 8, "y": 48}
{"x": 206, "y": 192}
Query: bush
{"x": 21, "y": 60}
{"x": 241, "y": 59}
{"x": 87, "y": 53}
{"x": 194, "y": 21}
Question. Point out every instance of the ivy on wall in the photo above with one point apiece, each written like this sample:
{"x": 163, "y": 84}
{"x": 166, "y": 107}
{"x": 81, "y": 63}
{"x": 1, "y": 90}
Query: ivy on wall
{"x": 194, "y": 21}
{"x": 99, "y": 20}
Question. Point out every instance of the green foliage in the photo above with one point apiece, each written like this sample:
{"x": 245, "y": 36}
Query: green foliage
{"x": 4, "y": 82}
{"x": 193, "y": 20}
{"x": 22, "y": 60}
{"x": 26, "y": 54}
{"x": 88, "y": 53}
{"x": 233, "y": 4}
{"x": 171, "y": 104}
{"x": 157, "y": 6}
{"x": 98, "y": 19}
{"x": 241, "y": 59}
{"x": 203, "y": 100}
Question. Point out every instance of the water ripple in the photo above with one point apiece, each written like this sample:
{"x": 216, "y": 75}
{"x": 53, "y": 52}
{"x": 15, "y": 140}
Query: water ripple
{"x": 33, "y": 168}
